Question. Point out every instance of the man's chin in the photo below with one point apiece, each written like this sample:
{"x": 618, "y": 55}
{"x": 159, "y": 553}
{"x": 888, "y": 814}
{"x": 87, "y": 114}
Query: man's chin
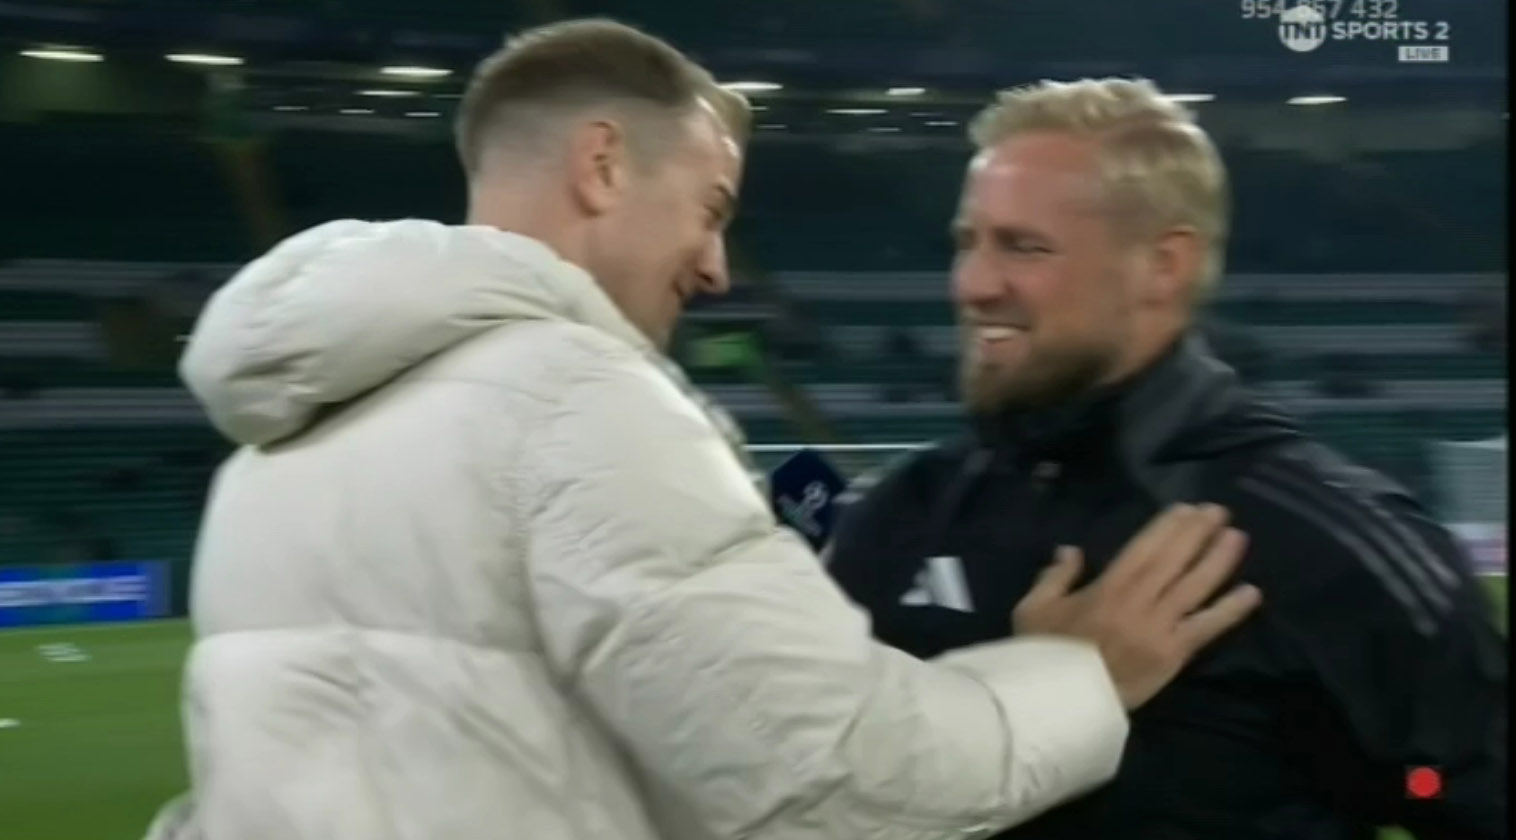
{"x": 998, "y": 393}
{"x": 661, "y": 332}
{"x": 986, "y": 393}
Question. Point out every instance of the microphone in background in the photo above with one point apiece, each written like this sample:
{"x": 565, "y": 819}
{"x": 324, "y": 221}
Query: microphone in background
{"x": 803, "y": 492}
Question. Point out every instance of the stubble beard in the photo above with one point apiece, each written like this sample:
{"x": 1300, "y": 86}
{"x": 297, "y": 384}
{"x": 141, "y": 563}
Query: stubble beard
{"x": 1045, "y": 378}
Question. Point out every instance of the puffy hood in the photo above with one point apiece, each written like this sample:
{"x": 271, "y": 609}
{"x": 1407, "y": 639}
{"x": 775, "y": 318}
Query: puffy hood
{"x": 344, "y": 307}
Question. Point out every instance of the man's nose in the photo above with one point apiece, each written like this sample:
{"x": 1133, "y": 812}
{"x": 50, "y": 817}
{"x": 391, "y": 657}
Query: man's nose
{"x": 715, "y": 274}
{"x": 975, "y": 283}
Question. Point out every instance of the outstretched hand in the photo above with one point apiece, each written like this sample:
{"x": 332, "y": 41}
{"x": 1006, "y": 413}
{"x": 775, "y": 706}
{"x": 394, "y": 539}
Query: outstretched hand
{"x": 1148, "y": 612}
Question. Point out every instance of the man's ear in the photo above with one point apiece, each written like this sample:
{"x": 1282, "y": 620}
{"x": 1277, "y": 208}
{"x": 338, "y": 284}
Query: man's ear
{"x": 1174, "y": 264}
{"x": 597, "y": 165}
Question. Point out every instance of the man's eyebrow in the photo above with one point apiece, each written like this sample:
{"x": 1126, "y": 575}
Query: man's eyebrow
{"x": 960, "y": 227}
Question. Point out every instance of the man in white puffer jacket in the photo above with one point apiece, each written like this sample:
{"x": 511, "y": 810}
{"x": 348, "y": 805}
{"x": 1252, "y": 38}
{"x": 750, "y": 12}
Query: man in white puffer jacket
{"x": 484, "y": 567}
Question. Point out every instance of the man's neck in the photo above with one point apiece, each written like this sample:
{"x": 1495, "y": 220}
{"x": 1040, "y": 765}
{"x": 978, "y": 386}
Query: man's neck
{"x": 525, "y": 208}
{"x": 1150, "y": 343}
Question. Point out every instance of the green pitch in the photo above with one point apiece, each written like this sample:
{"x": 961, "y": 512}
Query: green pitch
{"x": 90, "y": 746}
{"x": 89, "y": 731}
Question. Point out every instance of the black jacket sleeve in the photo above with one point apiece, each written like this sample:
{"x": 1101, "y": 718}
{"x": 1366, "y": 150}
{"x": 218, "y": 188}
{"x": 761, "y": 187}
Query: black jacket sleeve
{"x": 1396, "y": 637}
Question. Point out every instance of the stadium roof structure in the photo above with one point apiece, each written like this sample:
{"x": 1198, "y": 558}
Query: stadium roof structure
{"x": 881, "y": 69}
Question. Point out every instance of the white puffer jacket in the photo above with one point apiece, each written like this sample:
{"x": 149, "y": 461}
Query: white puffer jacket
{"x": 483, "y": 569}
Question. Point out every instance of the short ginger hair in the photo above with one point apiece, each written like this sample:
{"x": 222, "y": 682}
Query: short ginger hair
{"x": 564, "y": 67}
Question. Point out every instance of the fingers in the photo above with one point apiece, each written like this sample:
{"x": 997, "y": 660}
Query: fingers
{"x": 1205, "y": 626}
{"x": 1058, "y": 578}
{"x": 1196, "y": 586}
{"x": 1041, "y": 603}
{"x": 1186, "y": 541}
{"x": 1130, "y": 562}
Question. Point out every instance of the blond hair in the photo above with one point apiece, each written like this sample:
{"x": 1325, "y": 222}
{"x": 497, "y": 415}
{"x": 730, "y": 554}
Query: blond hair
{"x": 579, "y": 63}
{"x": 1158, "y": 167}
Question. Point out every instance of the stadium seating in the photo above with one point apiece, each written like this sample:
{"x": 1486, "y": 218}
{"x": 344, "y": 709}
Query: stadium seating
{"x": 150, "y": 193}
{"x": 121, "y": 458}
{"x": 105, "y": 455}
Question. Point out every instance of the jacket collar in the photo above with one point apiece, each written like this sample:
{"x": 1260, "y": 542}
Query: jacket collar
{"x": 338, "y": 310}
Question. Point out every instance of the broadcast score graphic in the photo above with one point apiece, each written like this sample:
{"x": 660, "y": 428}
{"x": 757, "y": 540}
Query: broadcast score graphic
{"x": 1305, "y": 26}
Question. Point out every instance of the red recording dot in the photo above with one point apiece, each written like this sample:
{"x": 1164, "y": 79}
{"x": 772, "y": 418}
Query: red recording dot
{"x": 1423, "y": 783}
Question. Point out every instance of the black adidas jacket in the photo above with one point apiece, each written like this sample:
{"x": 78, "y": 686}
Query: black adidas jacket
{"x": 1374, "y": 652}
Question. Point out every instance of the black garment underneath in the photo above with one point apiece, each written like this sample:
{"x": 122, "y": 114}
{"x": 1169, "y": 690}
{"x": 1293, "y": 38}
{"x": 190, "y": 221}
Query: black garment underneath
{"x": 1374, "y": 650}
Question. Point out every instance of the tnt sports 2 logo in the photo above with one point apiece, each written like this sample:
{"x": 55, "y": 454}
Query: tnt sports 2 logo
{"x": 1307, "y": 25}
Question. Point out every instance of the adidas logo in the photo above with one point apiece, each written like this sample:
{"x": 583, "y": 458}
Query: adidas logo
{"x": 940, "y": 583}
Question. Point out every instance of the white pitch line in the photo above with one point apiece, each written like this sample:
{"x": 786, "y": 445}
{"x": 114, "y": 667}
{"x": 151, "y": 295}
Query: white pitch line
{"x": 72, "y": 629}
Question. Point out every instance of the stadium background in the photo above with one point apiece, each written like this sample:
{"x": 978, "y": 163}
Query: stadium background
{"x": 1366, "y": 285}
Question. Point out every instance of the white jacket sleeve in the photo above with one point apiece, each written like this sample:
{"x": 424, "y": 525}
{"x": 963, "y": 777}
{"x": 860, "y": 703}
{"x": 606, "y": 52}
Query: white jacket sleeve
{"x": 737, "y": 676}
